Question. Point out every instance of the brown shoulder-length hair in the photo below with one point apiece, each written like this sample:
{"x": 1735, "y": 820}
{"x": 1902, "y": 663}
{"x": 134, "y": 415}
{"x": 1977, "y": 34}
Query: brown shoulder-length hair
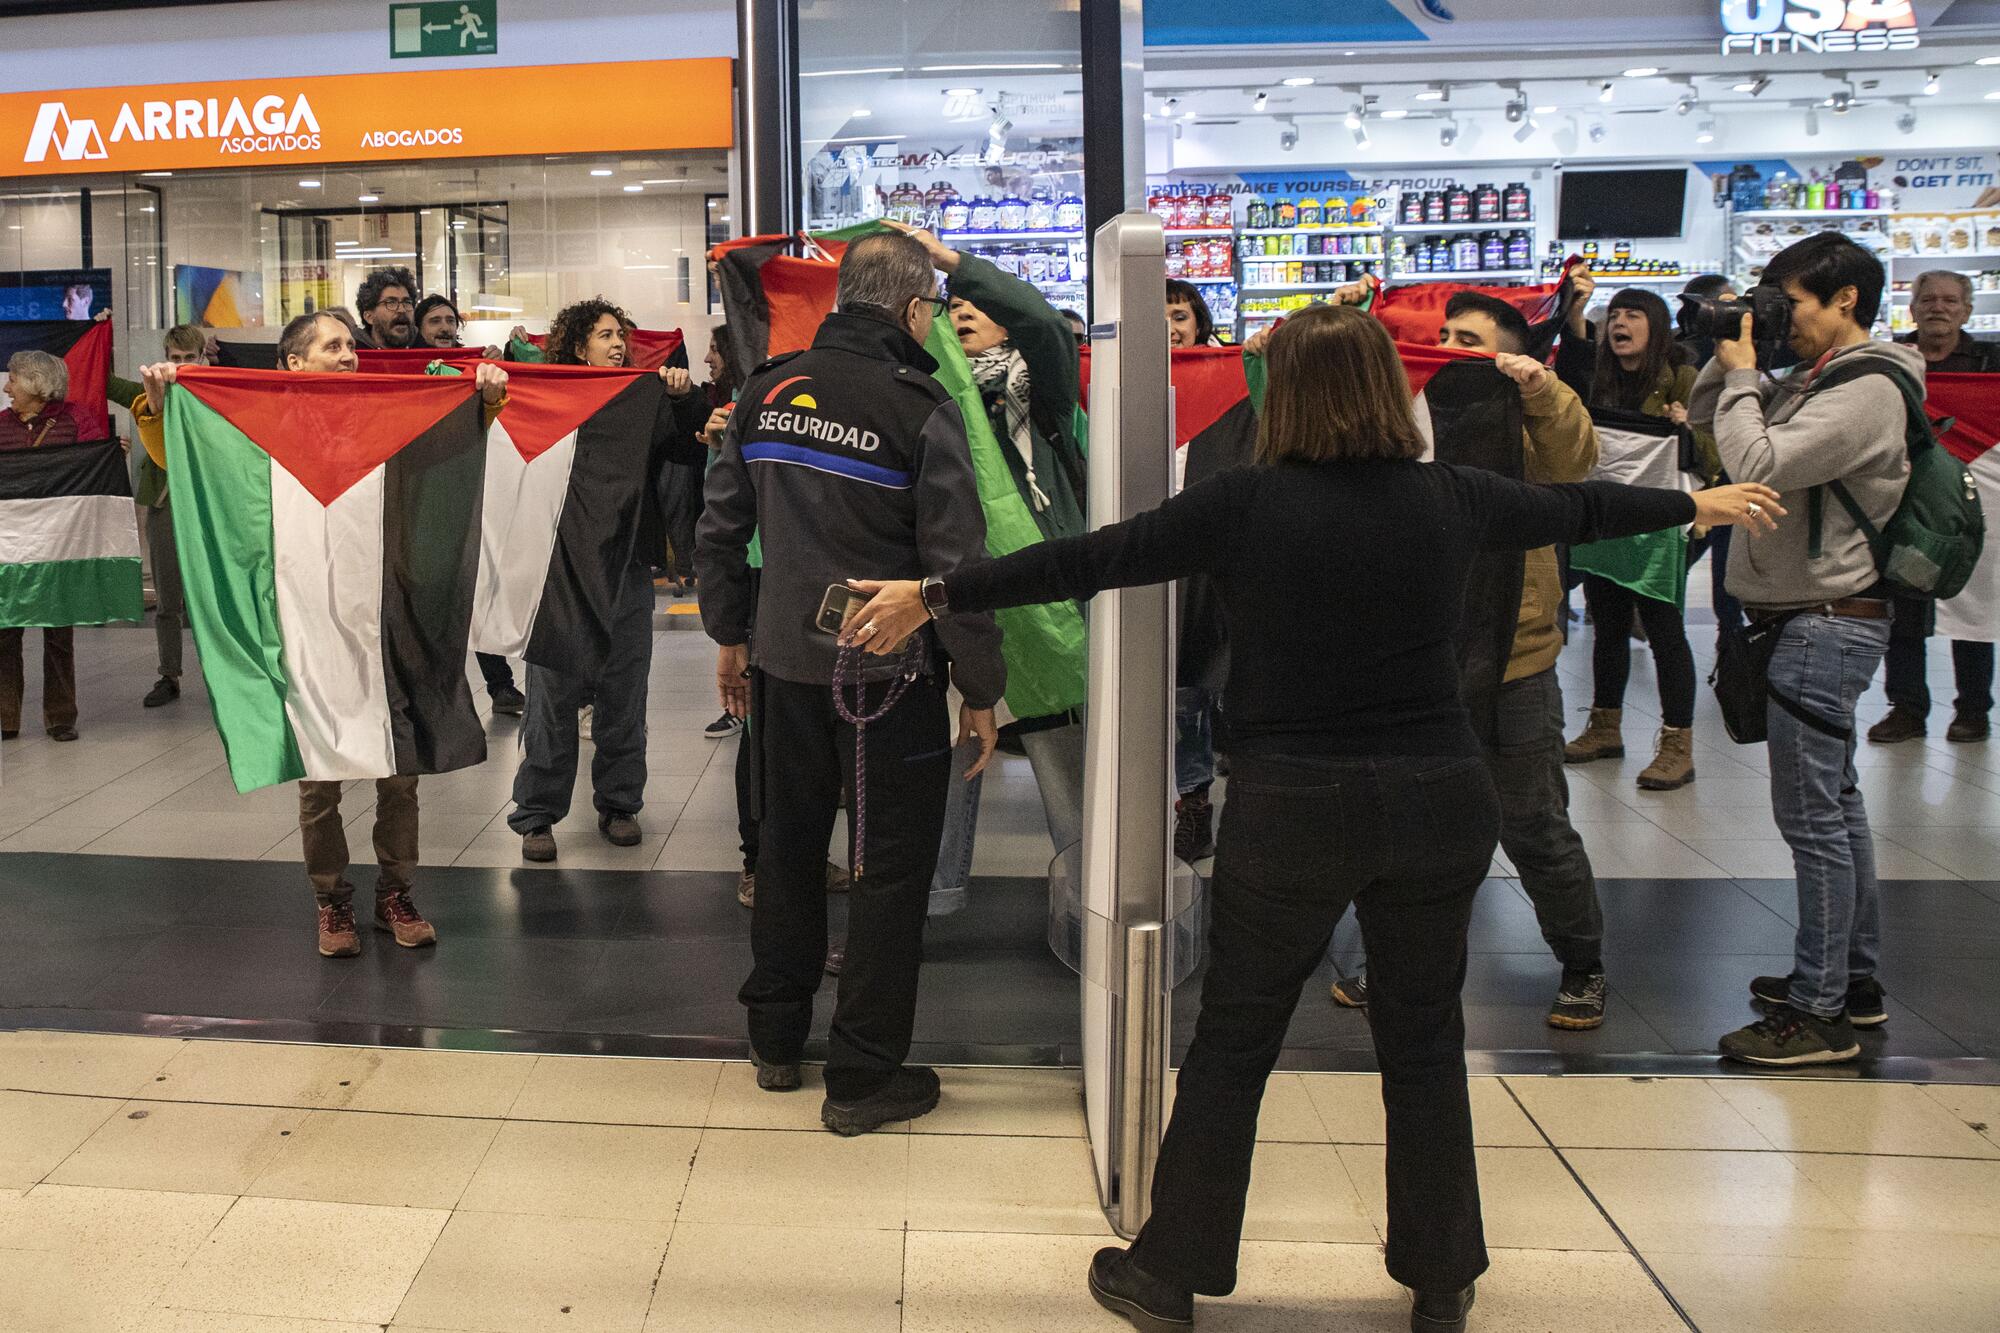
{"x": 1338, "y": 392}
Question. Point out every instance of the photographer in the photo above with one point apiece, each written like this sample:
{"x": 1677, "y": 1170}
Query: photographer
{"x": 1839, "y": 417}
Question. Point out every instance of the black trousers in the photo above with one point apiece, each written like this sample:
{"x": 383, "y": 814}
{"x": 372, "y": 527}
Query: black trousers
{"x": 1903, "y": 667}
{"x": 1408, "y": 841}
{"x": 496, "y": 671}
{"x": 805, "y": 750}
{"x": 1611, "y": 607}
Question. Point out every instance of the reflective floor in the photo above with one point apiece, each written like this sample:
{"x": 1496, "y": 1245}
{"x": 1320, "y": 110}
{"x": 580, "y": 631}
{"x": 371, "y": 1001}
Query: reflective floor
{"x": 150, "y": 1185}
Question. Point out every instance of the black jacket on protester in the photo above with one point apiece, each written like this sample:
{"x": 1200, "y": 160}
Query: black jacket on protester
{"x": 848, "y": 461}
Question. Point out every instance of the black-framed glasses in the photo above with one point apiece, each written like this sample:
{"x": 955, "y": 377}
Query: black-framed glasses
{"x": 939, "y": 305}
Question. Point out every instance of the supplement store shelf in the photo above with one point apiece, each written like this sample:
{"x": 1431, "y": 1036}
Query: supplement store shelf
{"x": 1295, "y": 286}
{"x": 1754, "y": 213}
{"x": 1216, "y": 278}
{"x": 1944, "y": 259}
{"x": 1199, "y": 233}
{"x": 1460, "y": 274}
{"x": 1371, "y": 230}
{"x": 1010, "y": 235}
{"x": 1427, "y": 228}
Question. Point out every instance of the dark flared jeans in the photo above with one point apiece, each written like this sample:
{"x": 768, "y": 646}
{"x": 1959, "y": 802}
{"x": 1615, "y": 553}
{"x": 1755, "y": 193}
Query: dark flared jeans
{"x": 1408, "y": 841}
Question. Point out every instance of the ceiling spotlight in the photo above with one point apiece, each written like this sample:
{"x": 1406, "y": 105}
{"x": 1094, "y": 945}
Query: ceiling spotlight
{"x": 1812, "y": 120}
{"x": 308, "y": 185}
{"x": 859, "y": 113}
{"x": 1906, "y": 121}
{"x": 1604, "y": 93}
{"x": 1755, "y": 87}
{"x": 1448, "y": 134}
{"x": 1298, "y": 81}
{"x": 1517, "y": 107}
{"x": 1642, "y": 71}
{"x": 633, "y": 189}
{"x": 1393, "y": 113}
{"x": 1597, "y": 132}
{"x": 1705, "y": 132}
{"x": 1840, "y": 101}
{"x": 368, "y": 199}
{"x": 1987, "y": 60}
{"x": 961, "y": 92}
{"x": 1932, "y": 82}
{"x": 1685, "y": 102}
{"x": 600, "y": 171}
{"x": 1527, "y": 130}
{"x": 1288, "y": 134}
{"x": 1260, "y": 101}
{"x": 1361, "y": 136}
{"x": 1354, "y": 115}
{"x": 1437, "y": 92}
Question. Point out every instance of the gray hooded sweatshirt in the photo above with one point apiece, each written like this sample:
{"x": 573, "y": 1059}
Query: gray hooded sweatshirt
{"x": 1780, "y": 433}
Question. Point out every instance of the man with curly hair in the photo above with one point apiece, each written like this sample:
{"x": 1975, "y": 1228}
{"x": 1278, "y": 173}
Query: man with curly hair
{"x": 388, "y": 305}
{"x": 597, "y": 333}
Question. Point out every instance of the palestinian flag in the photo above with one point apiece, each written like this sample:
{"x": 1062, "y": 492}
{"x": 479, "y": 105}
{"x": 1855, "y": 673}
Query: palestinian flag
{"x": 650, "y": 349}
{"x": 247, "y": 355}
{"x": 69, "y": 537}
{"x": 329, "y": 533}
{"x": 82, "y": 346}
{"x": 565, "y": 478}
{"x": 1639, "y": 450}
{"x": 414, "y": 360}
{"x": 776, "y": 290}
{"x": 1972, "y": 405}
{"x": 1414, "y": 311}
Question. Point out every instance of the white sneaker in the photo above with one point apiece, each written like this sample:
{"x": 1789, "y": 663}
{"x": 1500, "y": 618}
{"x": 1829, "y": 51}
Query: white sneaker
{"x": 583, "y": 722}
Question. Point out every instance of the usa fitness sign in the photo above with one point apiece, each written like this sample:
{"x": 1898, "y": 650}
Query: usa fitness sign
{"x": 1824, "y": 27}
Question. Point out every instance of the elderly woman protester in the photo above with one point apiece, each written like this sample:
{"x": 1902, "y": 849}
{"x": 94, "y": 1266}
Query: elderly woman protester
{"x": 38, "y": 415}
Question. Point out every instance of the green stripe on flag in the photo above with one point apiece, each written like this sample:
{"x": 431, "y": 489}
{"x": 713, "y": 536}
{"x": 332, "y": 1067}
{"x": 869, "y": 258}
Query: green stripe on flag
{"x": 222, "y": 525}
{"x": 1652, "y": 564}
{"x": 55, "y": 593}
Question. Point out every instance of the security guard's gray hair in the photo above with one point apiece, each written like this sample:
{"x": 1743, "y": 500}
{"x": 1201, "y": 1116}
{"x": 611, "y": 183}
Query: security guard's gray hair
{"x": 38, "y": 375}
{"x": 1942, "y": 275}
{"x": 882, "y": 273}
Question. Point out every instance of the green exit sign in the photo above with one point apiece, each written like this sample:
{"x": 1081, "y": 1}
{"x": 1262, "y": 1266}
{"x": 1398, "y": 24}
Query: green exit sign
{"x": 444, "y": 28}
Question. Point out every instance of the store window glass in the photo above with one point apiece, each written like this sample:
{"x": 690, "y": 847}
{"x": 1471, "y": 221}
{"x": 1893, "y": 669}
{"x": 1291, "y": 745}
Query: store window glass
{"x": 963, "y": 117}
{"x": 509, "y": 240}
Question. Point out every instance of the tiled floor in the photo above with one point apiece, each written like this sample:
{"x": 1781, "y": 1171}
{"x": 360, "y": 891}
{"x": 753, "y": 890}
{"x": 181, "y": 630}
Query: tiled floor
{"x": 150, "y": 1185}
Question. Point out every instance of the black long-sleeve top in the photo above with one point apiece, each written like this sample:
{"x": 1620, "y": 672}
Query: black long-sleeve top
{"x": 1341, "y": 584}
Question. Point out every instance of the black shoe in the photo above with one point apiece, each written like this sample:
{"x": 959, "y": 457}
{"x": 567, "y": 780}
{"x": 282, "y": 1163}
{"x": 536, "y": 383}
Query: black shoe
{"x": 774, "y": 1076}
{"x": 538, "y": 845}
{"x": 1351, "y": 992}
{"x": 1122, "y": 1287}
{"x": 1787, "y": 1037}
{"x": 1901, "y": 724}
{"x": 1967, "y": 728}
{"x": 619, "y": 830}
{"x": 508, "y": 701}
{"x": 723, "y": 727}
{"x": 1579, "y": 1004}
{"x": 1440, "y": 1311}
{"x": 1194, "y": 827}
{"x": 10, "y": 735}
{"x": 1864, "y": 998}
{"x": 62, "y": 733}
{"x": 910, "y": 1092}
{"x": 163, "y": 693}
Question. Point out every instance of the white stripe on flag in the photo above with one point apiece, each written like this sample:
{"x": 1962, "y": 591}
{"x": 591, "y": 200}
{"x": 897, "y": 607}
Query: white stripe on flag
{"x": 68, "y": 527}
{"x": 523, "y": 506}
{"x": 329, "y": 578}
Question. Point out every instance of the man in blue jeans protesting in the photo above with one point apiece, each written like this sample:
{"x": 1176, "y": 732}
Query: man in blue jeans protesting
{"x": 1838, "y": 419}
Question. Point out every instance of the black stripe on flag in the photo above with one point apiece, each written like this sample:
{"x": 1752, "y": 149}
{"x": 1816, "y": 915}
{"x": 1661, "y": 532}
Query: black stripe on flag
{"x": 1476, "y": 422}
{"x": 739, "y": 279}
{"x": 64, "y": 469}
{"x": 430, "y": 563}
{"x": 54, "y": 336}
{"x": 597, "y": 532}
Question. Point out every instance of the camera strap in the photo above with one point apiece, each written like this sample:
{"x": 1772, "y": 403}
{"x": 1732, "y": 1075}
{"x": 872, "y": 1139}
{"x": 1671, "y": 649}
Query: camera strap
{"x": 847, "y": 674}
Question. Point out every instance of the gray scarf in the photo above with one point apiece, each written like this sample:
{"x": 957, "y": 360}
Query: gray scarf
{"x": 1002, "y": 370}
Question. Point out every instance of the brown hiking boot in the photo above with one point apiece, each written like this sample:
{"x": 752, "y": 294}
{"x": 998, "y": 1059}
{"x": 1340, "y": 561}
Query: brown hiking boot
{"x": 337, "y": 938}
{"x": 396, "y": 914}
{"x": 746, "y": 888}
{"x": 1901, "y": 724}
{"x": 1602, "y": 739}
{"x": 538, "y": 845}
{"x": 1673, "y": 761}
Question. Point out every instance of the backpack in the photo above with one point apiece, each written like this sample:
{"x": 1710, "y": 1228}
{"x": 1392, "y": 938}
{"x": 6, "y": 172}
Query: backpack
{"x": 1929, "y": 546}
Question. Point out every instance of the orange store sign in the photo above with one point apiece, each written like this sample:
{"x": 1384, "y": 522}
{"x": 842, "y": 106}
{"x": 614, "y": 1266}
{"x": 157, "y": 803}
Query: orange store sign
{"x": 660, "y": 104}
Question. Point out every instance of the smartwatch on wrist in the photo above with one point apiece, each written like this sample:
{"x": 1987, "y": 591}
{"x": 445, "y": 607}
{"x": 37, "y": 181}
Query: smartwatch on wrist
{"x": 934, "y": 598}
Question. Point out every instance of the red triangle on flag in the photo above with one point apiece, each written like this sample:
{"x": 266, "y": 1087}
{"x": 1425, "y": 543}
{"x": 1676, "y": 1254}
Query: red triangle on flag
{"x": 329, "y": 431}
{"x": 545, "y": 403}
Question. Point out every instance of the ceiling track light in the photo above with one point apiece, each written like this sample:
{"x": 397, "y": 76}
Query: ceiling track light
{"x": 1932, "y": 82}
{"x": 1527, "y": 130}
{"x": 1517, "y": 107}
{"x": 1261, "y": 101}
{"x": 1906, "y": 121}
{"x": 1755, "y": 87}
{"x": 1361, "y": 136}
{"x": 1448, "y": 134}
{"x": 1705, "y": 132}
{"x": 1437, "y": 92}
{"x": 1812, "y": 121}
{"x": 1604, "y": 91}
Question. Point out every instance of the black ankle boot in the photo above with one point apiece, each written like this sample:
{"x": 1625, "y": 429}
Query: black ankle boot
{"x": 1440, "y": 1311}
{"x": 1152, "y": 1305}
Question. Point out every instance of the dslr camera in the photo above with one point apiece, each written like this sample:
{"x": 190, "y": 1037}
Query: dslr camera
{"x": 1722, "y": 320}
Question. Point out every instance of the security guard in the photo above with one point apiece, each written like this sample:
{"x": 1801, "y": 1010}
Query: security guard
{"x": 852, "y": 462}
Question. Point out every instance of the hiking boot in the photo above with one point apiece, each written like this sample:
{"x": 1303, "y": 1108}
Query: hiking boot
{"x": 619, "y": 830}
{"x": 1601, "y": 739}
{"x": 1864, "y": 998}
{"x": 337, "y": 936}
{"x": 911, "y": 1091}
{"x": 508, "y": 701}
{"x": 776, "y": 1076}
{"x": 395, "y": 913}
{"x": 538, "y": 845}
{"x": 837, "y": 880}
{"x": 164, "y": 692}
{"x": 1786, "y": 1037}
{"x": 1673, "y": 761}
{"x": 1967, "y": 728}
{"x": 1351, "y": 992}
{"x": 723, "y": 727}
{"x": 1901, "y": 724}
{"x": 746, "y": 888}
{"x": 1124, "y": 1288}
{"x": 1579, "y": 1004}
{"x": 1194, "y": 827}
{"x": 1440, "y": 1311}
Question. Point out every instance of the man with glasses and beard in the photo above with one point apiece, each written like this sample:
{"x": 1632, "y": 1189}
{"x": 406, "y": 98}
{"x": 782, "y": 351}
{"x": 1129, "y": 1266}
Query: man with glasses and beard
{"x": 388, "y": 302}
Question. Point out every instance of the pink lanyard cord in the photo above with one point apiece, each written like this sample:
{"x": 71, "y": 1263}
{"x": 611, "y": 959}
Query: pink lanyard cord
{"x": 847, "y": 674}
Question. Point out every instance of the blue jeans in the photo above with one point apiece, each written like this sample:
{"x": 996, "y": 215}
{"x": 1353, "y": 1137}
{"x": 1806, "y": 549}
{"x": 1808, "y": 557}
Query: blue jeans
{"x": 1056, "y": 755}
{"x": 1194, "y": 739}
{"x": 547, "y": 775}
{"x": 1825, "y": 664}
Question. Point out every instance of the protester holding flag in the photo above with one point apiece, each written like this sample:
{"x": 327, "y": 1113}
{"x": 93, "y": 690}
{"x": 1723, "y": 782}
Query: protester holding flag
{"x": 1344, "y": 565}
{"x": 1637, "y": 387}
{"x": 387, "y": 300}
{"x": 596, "y": 333}
{"x": 420, "y": 529}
